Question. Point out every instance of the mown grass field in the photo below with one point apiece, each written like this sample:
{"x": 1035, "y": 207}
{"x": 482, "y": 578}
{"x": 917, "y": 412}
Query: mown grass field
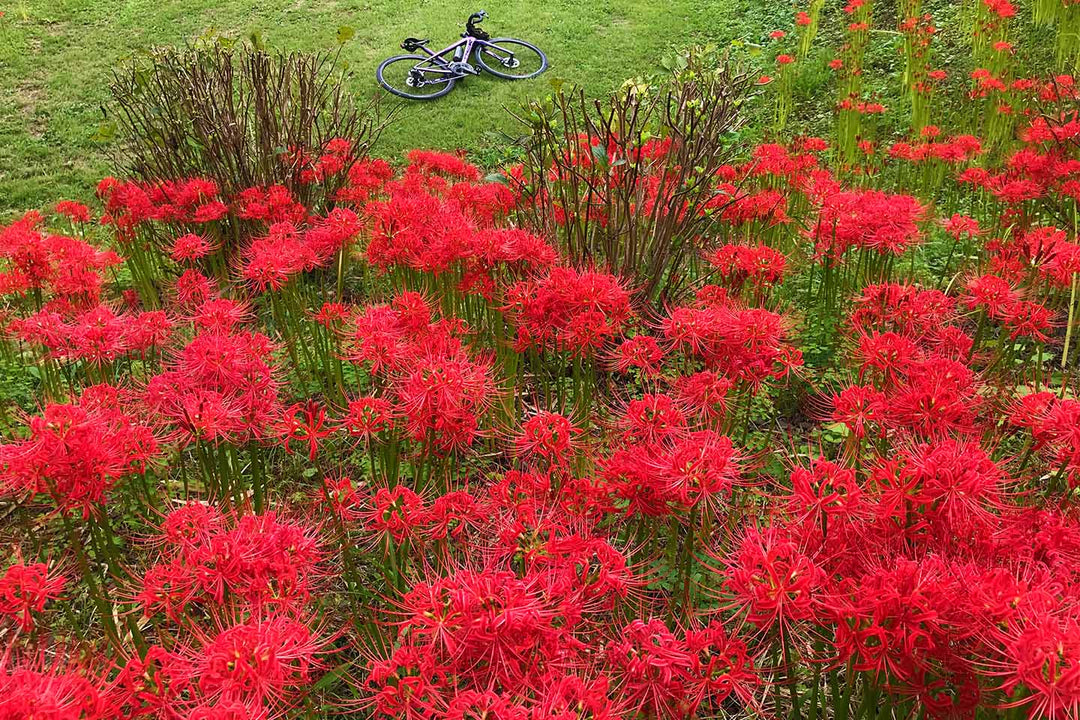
{"x": 56, "y": 57}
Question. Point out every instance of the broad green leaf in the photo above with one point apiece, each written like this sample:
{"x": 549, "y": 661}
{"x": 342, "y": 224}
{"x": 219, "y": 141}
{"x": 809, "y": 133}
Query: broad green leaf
{"x": 599, "y": 153}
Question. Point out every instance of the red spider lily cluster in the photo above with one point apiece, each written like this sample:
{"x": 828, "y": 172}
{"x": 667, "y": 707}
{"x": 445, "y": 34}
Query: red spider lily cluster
{"x": 377, "y": 446}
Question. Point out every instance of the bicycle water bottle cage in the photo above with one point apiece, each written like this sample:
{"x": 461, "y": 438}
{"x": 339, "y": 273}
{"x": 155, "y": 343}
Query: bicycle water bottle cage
{"x": 412, "y": 44}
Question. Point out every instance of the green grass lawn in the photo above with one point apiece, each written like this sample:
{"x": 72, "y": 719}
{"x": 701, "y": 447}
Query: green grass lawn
{"x": 56, "y": 57}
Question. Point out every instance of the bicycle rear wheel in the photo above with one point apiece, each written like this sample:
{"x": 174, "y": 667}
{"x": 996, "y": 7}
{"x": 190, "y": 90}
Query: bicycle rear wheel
{"x": 414, "y": 77}
{"x": 510, "y": 58}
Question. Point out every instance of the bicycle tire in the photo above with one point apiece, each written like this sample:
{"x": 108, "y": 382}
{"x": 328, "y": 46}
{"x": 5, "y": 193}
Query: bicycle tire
{"x": 479, "y": 55}
{"x": 380, "y": 76}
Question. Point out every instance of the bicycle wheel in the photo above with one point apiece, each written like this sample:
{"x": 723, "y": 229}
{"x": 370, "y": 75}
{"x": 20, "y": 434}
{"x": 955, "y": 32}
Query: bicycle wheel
{"x": 414, "y": 77}
{"x": 511, "y": 59}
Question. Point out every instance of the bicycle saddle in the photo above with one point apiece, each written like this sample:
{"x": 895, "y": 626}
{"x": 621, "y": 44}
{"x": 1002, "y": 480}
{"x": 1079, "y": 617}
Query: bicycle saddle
{"x": 412, "y": 43}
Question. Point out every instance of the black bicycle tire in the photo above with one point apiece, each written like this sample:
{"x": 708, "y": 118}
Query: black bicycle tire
{"x": 388, "y": 87}
{"x": 479, "y": 55}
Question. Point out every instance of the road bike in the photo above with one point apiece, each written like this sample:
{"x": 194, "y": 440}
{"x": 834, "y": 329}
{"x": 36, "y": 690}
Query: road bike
{"x": 433, "y": 74}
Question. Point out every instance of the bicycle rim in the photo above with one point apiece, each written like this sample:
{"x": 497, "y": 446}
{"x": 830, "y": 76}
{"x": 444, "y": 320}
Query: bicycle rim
{"x": 511, "y": 59}
{"x": 397, "y": 74}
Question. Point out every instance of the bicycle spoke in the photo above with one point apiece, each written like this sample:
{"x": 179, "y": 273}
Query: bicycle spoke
{"x": 416, "y": 79}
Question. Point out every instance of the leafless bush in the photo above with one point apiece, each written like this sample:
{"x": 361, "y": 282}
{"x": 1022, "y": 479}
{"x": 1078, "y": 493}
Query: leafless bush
{"x": 624, "y": 182}
{"x": 239, "y": 115}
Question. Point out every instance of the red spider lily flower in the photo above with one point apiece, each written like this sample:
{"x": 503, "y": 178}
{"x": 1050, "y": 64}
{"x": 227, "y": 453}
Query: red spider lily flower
{"x": 305, "y": 422}
{"x": 271, "y": 205}
{"x": 898, "y": 620}
{"x": 142, "y": 685}
{"x": 887, "y": 224}
{"x": 272, "y": 261}
{"x": 257, "y": 662}
{"x": 98, "y": 336}
{"x": 430, "y": 161}
{"x": 210, "y": 211}
{"x": 69, "y": 269}
{"x": 700, "y": 467}
{"x": 589, "y": 573}
{"x": 365, "y": 179}
{"x": 366, "y": 417}
{"x": 193, "y": 288}
{"x": 405, "y": 685}
{"x": 184, "y": 200}
{"x": 1055, "y": 428}
{"x": 471, "y": 704}
{"x": 750, "y": 345}
{"x": 397, "y": 513}
{"x": 568, "y": 309}
{"x": 378, "y": 338}
{"x": 490, "y": 626}
{"x": 738, "y": 264}
{"x": 344, "y": 499}
{"x": 956, "y": 481}
{"x": 1040, "y": 660}
{"x": 1029, "y": 319}
{"x": 443, "y": 394}
{"x": 190, "y": 525}
{"x": 332, "y": 315}
{"x": 456, "y": 514}
{"x": 858, "y": 407}
{"x": 630, "y": 476}
{"x": 704, "y": 393}
{"x": 220, "y": 315}
{"x": 823, "y": 490}
{"x": 76, "y": 453}
{"x": 936, "y": 397}
{"x": 570, "y": 695}
{"x": 961, "y": 225}
{"x": 418, "y": 229}
{"x": 24, "y": 590}
{"x": 329, "y": 235}
{"x": 257, "y": 561}
{"x": 487, "y": 202}
{"x": 220, "y": 386}
{"x": 721, "y": 667}
{"x": 62, "y": 688}
{"x": 642, "y": 352}
{"x": 905, "y": 309}
{"x": 189, "y": 247}
{"x": 651, "y": 419}
{"x": 1002, "y": 8}
{"x": 772, "y": 581}
{"x": 547, "y": 435}
{"x": 653, "y": 666}
{"x": 886, "y": 353}
{"x": 76, "y": 212}
{"x": 992, "y": 294}
{"x": 225, "y": 710}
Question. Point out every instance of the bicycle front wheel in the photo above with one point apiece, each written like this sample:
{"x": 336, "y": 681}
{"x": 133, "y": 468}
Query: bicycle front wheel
{"x": 511, "y": 59}
{"x": 414, "y": 77}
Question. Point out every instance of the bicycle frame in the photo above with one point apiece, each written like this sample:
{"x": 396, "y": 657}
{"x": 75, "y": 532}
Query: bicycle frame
{"x": 438, "y": 64}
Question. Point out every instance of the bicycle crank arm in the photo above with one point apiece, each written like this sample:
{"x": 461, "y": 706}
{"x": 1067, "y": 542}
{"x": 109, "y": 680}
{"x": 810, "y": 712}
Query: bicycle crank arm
{"x": 463, "y": 69}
